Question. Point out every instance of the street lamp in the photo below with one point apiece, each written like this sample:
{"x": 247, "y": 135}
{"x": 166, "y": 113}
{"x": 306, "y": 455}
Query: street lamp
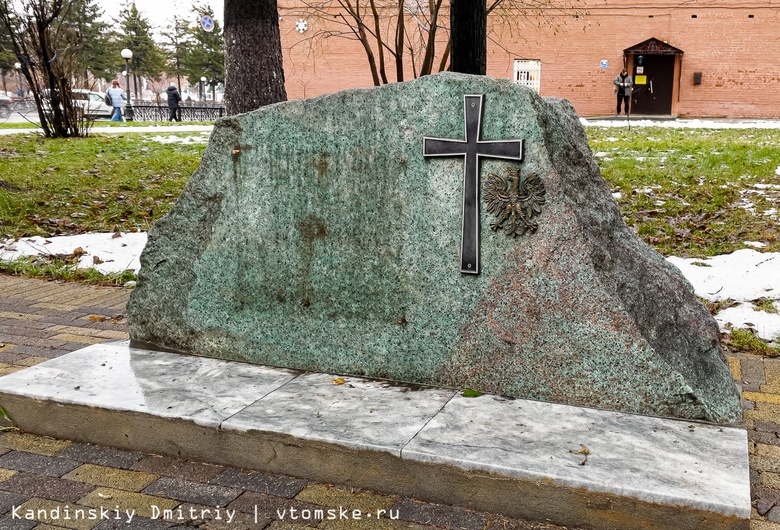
{"x": 202, "y": 93}
{"x": 18, "y": 67}
{"x": 127, "y": 54}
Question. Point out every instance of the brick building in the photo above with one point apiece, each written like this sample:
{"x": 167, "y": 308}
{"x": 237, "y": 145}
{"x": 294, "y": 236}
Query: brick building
{"x": 698, "y": 58}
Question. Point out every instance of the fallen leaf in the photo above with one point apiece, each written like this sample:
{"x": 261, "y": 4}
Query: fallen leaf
{"x": 471, "y": 393}
{"x": 116, "y": 235}
{"x": 583, "y": 450}
{"x": 96, "y": 260}
{"x": 339, "y": 381}
{"x": 97, "y": 318}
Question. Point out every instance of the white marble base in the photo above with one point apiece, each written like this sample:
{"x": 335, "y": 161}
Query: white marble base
{"x": 693, "y": 466}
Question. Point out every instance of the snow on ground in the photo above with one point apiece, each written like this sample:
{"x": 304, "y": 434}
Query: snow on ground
{"x": 116, "y": 253}
{"x": 743, "y": 276}
{"x": 681, "y": 123}
{"x": 171, "y": 139}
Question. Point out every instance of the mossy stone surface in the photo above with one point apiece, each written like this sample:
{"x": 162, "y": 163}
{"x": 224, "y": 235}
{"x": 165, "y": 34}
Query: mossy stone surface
{"x": 315, "y": 235}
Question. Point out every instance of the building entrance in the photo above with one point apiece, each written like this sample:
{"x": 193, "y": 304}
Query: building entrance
{"x": 653, "y": 86}
{"x": 654, "y": 65}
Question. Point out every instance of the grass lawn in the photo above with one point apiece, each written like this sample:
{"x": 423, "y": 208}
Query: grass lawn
{"x": 687, "y": 192}
{"x": 694, "y": 192}
{"x": 101, "y": 183}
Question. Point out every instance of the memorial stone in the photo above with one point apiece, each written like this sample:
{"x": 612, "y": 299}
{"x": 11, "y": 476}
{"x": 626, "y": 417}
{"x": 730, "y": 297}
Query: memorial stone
{"x": 335, "y": 235}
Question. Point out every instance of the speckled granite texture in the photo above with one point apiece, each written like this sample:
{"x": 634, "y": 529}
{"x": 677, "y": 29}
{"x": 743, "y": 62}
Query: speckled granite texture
{"x": 315, "y": 235}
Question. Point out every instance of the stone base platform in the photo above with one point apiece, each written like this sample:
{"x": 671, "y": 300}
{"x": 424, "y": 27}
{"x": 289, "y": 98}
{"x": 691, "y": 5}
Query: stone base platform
{"x": 540, "y": 461}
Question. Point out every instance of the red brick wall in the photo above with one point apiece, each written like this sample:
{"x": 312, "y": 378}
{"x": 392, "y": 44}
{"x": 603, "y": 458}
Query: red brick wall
{"x": 737, "y": 55}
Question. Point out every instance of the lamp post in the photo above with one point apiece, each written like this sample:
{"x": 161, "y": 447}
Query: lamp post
{"x": 20, "y": 90}
{"x": 127, "y": 54}
{"x": 202, "y": 93}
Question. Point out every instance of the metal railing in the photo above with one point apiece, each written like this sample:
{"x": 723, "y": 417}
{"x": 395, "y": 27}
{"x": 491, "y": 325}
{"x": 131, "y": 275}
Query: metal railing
{"x": 186, "y": 113}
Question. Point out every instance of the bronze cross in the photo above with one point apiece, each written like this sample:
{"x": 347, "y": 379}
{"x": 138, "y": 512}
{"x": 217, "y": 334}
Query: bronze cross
{"x": 472, "y": 148}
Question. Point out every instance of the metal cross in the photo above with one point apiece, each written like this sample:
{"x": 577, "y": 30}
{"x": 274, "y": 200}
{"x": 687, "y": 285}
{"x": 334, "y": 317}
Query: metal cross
{"x": 472, "y": 148}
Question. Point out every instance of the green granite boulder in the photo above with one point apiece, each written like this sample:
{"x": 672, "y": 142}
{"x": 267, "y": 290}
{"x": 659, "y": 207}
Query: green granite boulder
{"x": 315, "y": 235}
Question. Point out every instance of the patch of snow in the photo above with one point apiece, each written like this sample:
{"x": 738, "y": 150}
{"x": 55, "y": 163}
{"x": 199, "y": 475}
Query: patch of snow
{"x": 755, "y": 244}
{"x": 743, "y": 275}
{"x": 116, "y": 253}
{"x": 767, "y": 325}
{"x": 684, "y": 123}
{"x": 171, "y": 139}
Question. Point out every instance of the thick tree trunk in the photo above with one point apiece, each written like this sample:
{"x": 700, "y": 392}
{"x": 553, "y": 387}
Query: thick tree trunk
{"x": 468, "y": 35}
{"x": 254, "y": 75}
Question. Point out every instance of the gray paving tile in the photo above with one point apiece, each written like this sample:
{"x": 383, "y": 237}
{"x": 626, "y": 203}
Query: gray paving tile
{"x": 52, "y": 466}
{"x": 277, "y": 508}
{"x": 184, "y": 490}
{"x": 7, "y": 523}
{"x": 138, "y": 523}
{"x": 102, "y": 456}
{"x": 277, "y": 485}
{"x": 171, "y": 467}
{"x": 440, "y": 515}
{"x": 46, "y": 487}
{"x": 8, "y": 500}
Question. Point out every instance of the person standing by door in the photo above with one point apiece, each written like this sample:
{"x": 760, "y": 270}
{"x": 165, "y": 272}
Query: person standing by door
{"x": 623, "y": 84}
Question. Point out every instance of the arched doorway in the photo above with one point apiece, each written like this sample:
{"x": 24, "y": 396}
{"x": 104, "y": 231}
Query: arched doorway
{"x": 654, "y": 65}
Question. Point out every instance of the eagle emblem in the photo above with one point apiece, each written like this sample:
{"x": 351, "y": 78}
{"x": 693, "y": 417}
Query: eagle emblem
{"x": 514, "y": 200}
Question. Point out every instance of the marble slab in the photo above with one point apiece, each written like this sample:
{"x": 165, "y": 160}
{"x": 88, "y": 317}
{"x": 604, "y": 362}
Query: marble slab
{"x": 169, "y": 385}
{"x": 663, "y": 461}
{"x": 358, "y": 413}
{"x": 668, "y": 470}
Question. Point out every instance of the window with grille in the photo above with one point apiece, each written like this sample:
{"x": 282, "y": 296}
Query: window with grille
{"x": 528, "y": 73}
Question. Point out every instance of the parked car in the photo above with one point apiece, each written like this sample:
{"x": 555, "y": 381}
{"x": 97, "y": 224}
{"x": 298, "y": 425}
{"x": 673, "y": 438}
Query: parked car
{"x": 91, "y": 103}
{"x": 6, "y": 106}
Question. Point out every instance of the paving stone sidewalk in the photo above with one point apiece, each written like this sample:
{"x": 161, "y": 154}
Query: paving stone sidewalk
{"x": 40, "y": 320}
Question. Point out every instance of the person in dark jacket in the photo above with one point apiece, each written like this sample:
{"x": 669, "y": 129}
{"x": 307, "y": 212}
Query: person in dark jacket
{"x": 623, "y": 84}
{"x": 174, "y": 98}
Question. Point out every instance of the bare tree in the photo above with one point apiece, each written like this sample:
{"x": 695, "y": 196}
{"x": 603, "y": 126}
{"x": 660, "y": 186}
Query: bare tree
{"x": 254, "y": 76}
{"x": 44, "y": 44}
{"x": 415, "y": 34}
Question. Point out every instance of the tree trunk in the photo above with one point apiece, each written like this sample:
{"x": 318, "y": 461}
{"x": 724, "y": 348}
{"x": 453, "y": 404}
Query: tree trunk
{"x": 254, "y": 74}
{"x": 468, "y": 35}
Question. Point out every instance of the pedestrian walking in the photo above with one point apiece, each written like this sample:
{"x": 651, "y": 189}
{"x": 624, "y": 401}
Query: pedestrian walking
{"x": 174, "y": 100}
{"x": 116, "y": 98}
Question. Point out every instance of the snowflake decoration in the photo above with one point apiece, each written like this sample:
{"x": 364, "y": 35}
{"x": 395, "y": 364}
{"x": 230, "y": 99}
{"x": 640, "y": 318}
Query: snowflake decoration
{"x": 302, "y": 25}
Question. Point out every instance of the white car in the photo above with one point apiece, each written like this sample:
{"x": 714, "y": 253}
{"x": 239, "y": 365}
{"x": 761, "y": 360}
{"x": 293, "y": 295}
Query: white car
{"x": 92, "y": 103}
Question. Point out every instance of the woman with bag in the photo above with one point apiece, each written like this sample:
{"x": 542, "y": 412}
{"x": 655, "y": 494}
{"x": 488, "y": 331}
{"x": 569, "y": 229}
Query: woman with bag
{"x": 116, "y": 98}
